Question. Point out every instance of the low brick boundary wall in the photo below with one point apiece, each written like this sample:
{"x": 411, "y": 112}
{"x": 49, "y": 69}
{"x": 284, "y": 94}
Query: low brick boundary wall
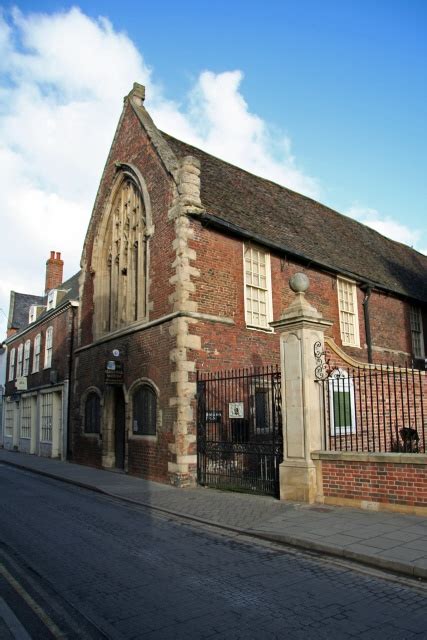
{"x": 386, "y": 481}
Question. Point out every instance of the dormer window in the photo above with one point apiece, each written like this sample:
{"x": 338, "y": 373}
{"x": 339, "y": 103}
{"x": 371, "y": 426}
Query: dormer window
{"x": 54, "y": 297}
{"x": 51, "y": 299}
{"x": 35, "y": 311}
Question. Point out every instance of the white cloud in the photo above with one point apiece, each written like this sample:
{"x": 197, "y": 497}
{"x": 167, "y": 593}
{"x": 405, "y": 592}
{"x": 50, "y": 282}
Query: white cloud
{"x": 63, "y": 79}
{"x": 387, "y": 226}
{"x": 218, "y": 120}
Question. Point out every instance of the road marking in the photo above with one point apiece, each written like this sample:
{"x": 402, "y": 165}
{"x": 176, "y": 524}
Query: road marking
{"x": 47, "y": 621}
{"x": 12, "y": 622}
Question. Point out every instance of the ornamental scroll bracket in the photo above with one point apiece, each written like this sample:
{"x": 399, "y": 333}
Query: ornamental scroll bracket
{"x": 322, "y": 369}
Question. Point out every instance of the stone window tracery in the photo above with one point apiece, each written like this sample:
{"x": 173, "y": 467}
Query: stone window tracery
{"x": 121, "y": 259}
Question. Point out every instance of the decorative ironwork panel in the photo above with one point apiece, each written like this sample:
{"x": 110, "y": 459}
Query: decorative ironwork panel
{"x": 239, "y": 430}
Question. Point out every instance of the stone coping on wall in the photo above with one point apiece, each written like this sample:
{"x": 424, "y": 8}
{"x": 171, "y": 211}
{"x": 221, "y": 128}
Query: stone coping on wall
{"x": 358, "y": 364}
{"x": 388, "y": 458}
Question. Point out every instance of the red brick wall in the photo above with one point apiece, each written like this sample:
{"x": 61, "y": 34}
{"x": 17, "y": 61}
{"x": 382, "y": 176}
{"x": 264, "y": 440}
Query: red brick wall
{"x": 390, "y": 328}
{"x": 144, "y": 354}
{"x": 133, "y": 146}
{"x": 220, "y": 291}
{"x": 404, "y": 484}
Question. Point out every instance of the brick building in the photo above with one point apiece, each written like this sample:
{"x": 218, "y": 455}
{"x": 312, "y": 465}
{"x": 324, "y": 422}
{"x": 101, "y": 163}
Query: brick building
{"x": 186, "y": 262}
{"x": 40, "y": 344}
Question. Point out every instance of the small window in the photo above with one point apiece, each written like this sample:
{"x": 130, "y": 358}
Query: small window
{"x": 144, "y": 411}
{"x": 36, "y": 354}
{"x": 9, "y": 416}
{"x": 417, "y": 332}
{"x": 48, "y": 348}
{"x": 47, "y": 417}
{"x": 92, "y": 413}
{"x": 349, "y": 322}
{"x": 258, "y": 303}
{"x": 27, "y": 349}
{"x": 25, "y": 431}
{"x": 12, "y": 365}
{"x": 341, "y": 404}
{"x": 19, "y": 363}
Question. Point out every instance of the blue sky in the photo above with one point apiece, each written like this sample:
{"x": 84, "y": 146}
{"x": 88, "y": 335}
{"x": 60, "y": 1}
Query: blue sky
{"x": 336, "y": 90}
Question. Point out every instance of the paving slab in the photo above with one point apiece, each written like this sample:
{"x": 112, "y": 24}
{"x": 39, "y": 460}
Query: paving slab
{"x": 391, "y": 541}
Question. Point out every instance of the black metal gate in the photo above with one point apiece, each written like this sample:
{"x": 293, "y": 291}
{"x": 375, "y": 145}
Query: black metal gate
{"x": 239, "y": 430}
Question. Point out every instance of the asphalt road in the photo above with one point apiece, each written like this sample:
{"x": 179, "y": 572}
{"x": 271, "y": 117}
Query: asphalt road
{"x": 75, "y": 564}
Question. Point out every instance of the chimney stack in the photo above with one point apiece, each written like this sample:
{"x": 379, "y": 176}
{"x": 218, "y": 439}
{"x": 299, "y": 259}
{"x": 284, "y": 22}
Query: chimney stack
{"x": 54, "y": 270}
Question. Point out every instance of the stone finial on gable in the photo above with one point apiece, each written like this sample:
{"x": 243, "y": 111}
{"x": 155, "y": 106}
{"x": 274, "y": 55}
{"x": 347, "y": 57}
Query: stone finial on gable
{"x": 138, "y": 93}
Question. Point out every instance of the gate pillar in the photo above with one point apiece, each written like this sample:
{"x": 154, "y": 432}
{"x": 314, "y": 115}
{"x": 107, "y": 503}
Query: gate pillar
{"x": 300, "y": 327}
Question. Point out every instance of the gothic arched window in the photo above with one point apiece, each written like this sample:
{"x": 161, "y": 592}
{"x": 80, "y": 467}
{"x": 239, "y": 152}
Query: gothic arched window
{"x": 92, "y": 420}
{"x": 144, "y": 411}
{"x": 121, "y": 258}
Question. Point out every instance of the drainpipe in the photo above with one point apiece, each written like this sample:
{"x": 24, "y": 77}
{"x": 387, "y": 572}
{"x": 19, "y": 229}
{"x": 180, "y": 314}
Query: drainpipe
{"x": 70, "y": 373}
{"x": 368, "y": 292}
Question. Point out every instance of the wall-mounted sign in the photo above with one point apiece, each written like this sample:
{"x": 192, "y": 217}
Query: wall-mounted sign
{"x": 21, "y": 383}
{"x": 114, "y": 372}
{"x": 213, "y": 416}
{"x": 116, "y": 353}
{"x": 236, "y": 410}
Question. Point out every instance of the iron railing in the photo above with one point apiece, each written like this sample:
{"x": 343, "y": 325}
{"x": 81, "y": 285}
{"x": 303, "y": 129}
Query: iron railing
{"x": 378, "y": 409}
{"x": 239, "y": 430}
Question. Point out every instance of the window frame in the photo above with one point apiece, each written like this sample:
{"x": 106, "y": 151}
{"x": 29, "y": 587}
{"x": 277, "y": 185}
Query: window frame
{"x": 51, "y": 299}
{"x": 36, "y": 353}
{"x": 249, "y": 286}
{"x": 19, "y": 360}
{"x": 48, "y": 348}
{"x": 354, "y": 314}
{"x": 417, "y": 333}
{"x": 140, "y": 432}
{"x": 12, "y": 369}
{"x": 27, "y": 354}
{"x": 9, "y": 419}
{"x": 339, "y": 378}
{"x": 25, "y": 418}
{"x": 46, "y": 418}
{"x": 92, "y": 432}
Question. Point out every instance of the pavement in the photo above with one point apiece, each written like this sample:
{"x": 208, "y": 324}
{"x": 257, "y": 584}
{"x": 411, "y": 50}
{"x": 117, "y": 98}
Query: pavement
{"x": 388, "y": 541}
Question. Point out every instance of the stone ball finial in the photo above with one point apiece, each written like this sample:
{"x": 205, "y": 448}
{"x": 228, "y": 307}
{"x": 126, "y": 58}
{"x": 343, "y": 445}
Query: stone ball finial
{"x": 299, "y": 283}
